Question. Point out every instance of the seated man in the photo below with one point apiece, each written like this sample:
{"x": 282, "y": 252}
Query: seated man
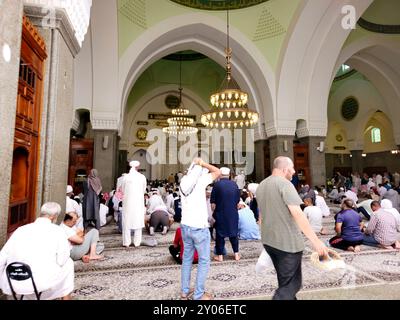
{"x": 176, "y": 249}
{"x": 321, "y": 203}
{"x": 382, "y": 229}
{"x": 364, "y": 207}
{"x": 82, "y": 246}
{"x": 248, "y": 227}
{"x": 43, "y": 246}
{"x": 314, "y": 215}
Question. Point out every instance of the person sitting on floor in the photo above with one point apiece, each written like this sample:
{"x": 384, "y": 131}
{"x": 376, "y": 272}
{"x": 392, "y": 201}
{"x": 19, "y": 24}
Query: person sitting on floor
{"x": 43, "y": 246}
{"x": 82, "y": 246}
{"x": 248, "y": 227}
{"x": 321, "y": 203}
{"x": 176, "y": 249}
{"x": 348, "y": 228}
{"x": 387, "y": 205}
{"x": 382, "y": 229}
{"x": 314, "y": 215}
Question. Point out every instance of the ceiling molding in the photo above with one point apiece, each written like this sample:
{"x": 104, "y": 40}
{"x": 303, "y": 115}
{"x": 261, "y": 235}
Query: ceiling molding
{"x": 379, "y": 28}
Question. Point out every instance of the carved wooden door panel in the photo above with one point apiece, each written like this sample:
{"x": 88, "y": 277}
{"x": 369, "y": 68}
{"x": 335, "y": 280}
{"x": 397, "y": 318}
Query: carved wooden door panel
{"x": 80, "y": 162}
{"x": 27, "y": 125}
{"x": 301, "y": 163}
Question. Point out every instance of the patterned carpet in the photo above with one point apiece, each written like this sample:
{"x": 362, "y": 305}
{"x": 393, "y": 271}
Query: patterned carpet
{"x": 150, "y": 272}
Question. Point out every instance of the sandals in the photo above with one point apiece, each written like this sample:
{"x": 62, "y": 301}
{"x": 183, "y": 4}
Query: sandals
{"x": 188, "y": 296}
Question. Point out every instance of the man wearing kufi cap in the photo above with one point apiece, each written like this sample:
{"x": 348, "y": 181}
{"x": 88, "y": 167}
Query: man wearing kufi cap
{"x": 133, "y": 210}
{"x": 224, "y": 198}
{"x": 72, "y": 206}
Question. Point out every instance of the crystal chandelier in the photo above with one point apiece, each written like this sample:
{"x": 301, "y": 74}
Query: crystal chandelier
{"x": 229, "y": 105}
{"x": 180, "y": 123}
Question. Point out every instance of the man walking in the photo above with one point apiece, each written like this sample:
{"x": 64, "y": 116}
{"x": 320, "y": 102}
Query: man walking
{"x": 281, "y": 225}
{"x": 194, "y": 225}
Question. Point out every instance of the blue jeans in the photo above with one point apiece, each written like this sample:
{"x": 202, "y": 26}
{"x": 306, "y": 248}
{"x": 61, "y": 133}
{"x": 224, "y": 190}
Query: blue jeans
{"x": 369, "y": 240}
{"x": 199, "y": 239}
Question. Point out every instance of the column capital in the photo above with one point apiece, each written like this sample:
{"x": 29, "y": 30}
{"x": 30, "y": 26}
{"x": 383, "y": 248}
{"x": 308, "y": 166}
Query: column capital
{"x": 71, "y": 18}
{"x": 356, "y": 145}
{"x": 104, "y": 121}
{"x": 280, "y": 131}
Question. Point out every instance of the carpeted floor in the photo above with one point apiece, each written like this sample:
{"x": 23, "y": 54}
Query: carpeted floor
{"x": 151, "y": 273}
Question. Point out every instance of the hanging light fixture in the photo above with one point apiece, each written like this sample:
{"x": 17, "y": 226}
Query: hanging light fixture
{"x": 229, "y": 105}
{"x": 180, "y": 123}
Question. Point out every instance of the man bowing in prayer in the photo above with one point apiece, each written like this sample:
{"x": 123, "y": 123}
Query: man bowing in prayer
{"x": 225, "y": 197}
{"x": 133, "y": 209}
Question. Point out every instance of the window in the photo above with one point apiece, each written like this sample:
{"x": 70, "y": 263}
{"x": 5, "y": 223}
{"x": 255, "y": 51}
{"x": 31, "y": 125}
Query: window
{"x": 375, "y": 135}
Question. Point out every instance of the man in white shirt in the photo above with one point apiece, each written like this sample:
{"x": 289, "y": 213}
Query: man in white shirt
{"x": 82, "y": 246}
{"x": 314, "y": 215}
{"x": 43, "y": 246}
{"x": 240, "y": 180}
{"x": 352, "y": 195}
{"x": 321, "y": 203}
{"x": 72, "y": 205}
{"x": 194, "y": 226}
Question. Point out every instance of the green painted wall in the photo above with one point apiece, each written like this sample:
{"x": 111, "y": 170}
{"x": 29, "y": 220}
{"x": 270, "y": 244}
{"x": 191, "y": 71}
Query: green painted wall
{"x": 135, "y": 16}
{"x": 201, "y": 76}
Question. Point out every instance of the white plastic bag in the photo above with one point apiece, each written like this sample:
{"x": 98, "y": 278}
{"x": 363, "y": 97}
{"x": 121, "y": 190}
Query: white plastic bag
{"x": 264, "y": 262}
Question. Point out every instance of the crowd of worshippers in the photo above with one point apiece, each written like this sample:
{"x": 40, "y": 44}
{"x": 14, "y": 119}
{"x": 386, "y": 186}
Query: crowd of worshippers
{"x": 368, "y": 215}
{"x": 369, "y": 211}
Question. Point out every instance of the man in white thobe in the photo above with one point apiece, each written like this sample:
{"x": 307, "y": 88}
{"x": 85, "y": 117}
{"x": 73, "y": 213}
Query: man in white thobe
{"x": 43, "y": 246}
{"x": 240, "y": 180}
{"x": 73, "y": 206}
{"x": 133, "y": 209}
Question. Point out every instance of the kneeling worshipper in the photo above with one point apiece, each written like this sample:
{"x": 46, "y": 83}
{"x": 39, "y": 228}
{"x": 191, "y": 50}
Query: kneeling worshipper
{"x": 248, "y": 227}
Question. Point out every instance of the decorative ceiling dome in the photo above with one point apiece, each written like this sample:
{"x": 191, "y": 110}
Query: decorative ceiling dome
{"x": 218, "y": 4}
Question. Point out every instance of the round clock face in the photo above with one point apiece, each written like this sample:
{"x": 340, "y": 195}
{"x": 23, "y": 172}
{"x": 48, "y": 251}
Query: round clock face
{"x": 141, "y": 134}
{"x": 339, "y": 138}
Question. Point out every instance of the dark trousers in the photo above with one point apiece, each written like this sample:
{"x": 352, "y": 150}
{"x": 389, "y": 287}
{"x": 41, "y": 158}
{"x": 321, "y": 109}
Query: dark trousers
{"x": 364, "y": 212}
{"x": 288, "y": 271}
{"x": 339, "y": 243}
{"x": 220, "y": 244}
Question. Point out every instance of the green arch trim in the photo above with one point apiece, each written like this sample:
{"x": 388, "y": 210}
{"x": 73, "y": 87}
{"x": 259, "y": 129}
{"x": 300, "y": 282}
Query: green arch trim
{"x": 218, "y": 4}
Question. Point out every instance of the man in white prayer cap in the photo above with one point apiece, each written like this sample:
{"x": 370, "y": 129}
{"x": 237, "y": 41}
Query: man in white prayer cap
{"x": 133, "y": 209}
{"x": 72, "y": 206}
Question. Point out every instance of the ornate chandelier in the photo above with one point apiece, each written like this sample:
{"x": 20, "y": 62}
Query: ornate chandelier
{"x": 229, "y": 105}
{"x": 180, "y": 123}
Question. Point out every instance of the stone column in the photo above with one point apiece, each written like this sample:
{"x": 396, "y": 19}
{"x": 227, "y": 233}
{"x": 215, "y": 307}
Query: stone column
{"x": 122, "y": 162}
{"x": 280, "y": 146}
{"x": 10, "y": 46}
{"x": 105, "y": 157}
{"x": 316, "y": 158}
{"x": 261, "y": 148}
{"x": 357, "y": 161}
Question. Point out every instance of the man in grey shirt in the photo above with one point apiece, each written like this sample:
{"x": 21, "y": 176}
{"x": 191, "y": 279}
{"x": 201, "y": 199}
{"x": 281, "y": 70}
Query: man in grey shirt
{"x": 282, "y": 222}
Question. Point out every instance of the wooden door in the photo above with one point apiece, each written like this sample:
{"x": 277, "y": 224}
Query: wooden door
{"x": 80, "y": 162}
{"x": 301, "y": 163}
{"x": 27, "y": 125}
